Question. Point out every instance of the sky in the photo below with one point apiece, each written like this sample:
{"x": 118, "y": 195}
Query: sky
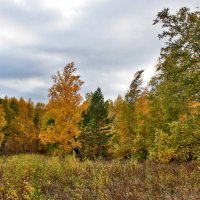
{"x": 108, "y": 40}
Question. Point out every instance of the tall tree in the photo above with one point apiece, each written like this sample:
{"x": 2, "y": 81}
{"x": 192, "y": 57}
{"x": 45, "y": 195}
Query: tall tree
{"x": 179, "y": 63}
{"x": 176, "y": 85}
{"x": 126, "y": 139}
{"x": 63, "y": 111}
{"x": 95, "y": 126}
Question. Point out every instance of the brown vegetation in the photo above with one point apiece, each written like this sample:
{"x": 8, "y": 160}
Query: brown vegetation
{"x": 40, "y": 177}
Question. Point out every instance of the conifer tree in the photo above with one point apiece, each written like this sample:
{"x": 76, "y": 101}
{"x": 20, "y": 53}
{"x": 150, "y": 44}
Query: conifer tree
{"x": 95, "y": 126}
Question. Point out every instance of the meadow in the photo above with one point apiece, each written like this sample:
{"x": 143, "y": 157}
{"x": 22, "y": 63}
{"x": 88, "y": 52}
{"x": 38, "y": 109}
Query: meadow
{"x": 31, "y": 176}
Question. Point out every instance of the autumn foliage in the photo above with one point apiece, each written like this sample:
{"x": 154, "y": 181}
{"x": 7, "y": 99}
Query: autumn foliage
{"x": 160, "y": 122}
{"x": 63, "y": 111}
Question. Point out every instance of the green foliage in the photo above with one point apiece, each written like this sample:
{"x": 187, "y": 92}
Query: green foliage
{"x": 95, "y": 126}
{"x": 181, "y": 143}
{"x": 174, "y": 128}
{"x": 163, "y": 150}
{"x": 178, "y": 68}
{"x": 186, "y": 137}
{"x": 39, "y": 115}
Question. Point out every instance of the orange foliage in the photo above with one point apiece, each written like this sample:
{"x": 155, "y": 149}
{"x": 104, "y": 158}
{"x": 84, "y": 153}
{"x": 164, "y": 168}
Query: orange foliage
{"x": 63, "y": 110}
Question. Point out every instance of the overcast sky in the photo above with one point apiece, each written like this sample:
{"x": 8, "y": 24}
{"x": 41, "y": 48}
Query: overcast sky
{"x": 109, "y": 40}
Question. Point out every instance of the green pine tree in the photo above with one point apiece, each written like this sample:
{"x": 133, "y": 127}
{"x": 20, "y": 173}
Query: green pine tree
{"x": 95, "y": 126}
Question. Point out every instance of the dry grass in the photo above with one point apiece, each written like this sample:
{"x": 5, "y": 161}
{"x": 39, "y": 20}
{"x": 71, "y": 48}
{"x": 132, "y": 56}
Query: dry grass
{"x": 40, "y": 177}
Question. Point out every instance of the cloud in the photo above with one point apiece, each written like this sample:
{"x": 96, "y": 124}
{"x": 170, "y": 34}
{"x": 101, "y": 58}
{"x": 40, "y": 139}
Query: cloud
{"x": 108, "y": 41}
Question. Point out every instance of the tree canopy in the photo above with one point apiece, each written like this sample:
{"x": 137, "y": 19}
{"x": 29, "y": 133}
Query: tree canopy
{"x": 160, "y": 122}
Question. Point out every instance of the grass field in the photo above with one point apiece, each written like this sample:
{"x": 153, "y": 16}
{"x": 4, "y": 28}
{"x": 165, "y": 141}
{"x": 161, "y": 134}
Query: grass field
{"x": 40, "y": 177}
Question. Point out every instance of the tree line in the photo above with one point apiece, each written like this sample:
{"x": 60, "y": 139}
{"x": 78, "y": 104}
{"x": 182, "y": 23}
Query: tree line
{"x": 160, "y": 122}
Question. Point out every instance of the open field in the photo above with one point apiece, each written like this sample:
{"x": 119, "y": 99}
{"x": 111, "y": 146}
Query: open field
{"x": 40, "y": 177}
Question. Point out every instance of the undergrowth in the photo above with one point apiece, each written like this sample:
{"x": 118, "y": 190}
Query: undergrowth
{"x": 39, "y": 177}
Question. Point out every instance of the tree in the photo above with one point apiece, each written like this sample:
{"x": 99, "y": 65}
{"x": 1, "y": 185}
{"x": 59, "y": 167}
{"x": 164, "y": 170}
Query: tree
{"x": 95, "y": 126}
{"x": 127, "y": 138}
{"x": 28, "y": 134}
{"x": 121, "y": 141}
{"x": 2, "y": 124}
{"x": 39, "y": 112}
{"x": 176, "y": 86}
{"x": 181, "y": 142}
{"x": 179, "y": 63}
{"x": 20, "y": 133}
{"x": 63, "y": 111}
{"x": 135, "y": 87}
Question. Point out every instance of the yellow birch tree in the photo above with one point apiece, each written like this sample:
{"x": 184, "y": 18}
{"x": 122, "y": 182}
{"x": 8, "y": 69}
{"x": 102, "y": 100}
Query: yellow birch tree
{"x": 63, "y": 111}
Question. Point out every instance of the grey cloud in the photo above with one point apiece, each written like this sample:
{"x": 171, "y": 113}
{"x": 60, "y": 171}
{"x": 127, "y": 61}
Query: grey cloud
{"x": 107, "y": 38}
{"x": 37, "y": 94}
{"x": 12, "y": 66}
{"x": 33, "y": 16}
